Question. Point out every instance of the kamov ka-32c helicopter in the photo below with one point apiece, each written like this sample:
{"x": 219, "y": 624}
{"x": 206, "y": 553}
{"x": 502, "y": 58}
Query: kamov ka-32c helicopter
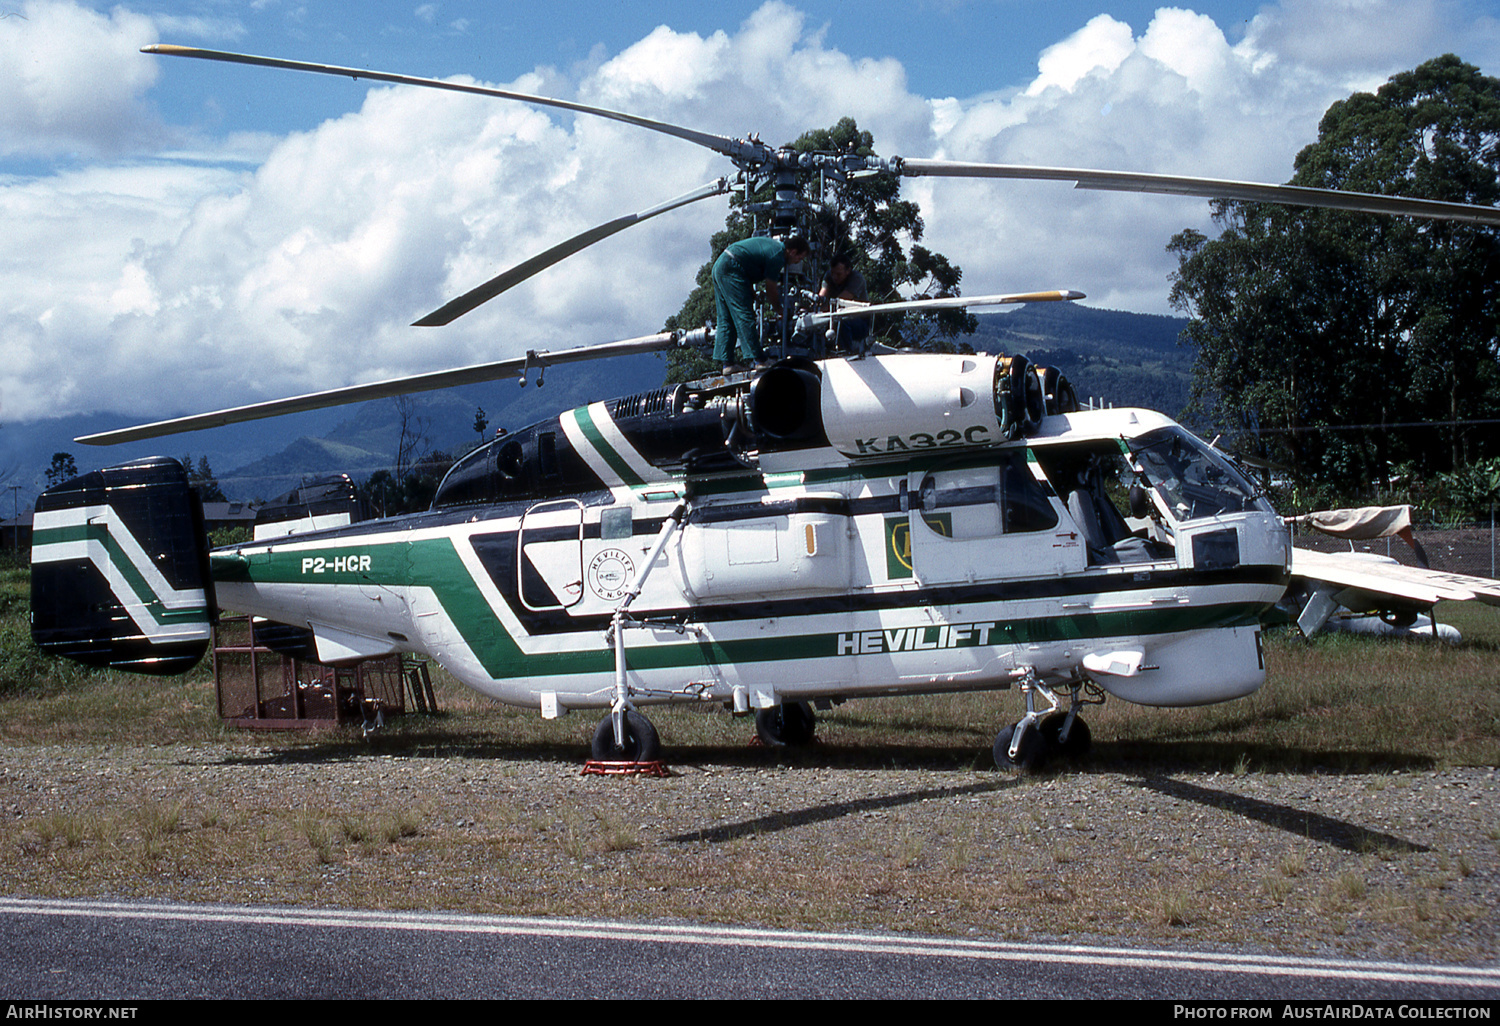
{"x": 878, "y": 523}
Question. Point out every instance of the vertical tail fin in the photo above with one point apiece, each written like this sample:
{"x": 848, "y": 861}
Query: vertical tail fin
{"x": 119, "y": 569}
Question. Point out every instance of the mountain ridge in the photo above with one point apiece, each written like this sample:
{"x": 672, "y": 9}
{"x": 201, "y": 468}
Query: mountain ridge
{"x": 1126, "y": 359}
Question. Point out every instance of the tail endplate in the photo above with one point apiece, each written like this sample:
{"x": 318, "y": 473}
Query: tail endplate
{"x": 119, "y": 569}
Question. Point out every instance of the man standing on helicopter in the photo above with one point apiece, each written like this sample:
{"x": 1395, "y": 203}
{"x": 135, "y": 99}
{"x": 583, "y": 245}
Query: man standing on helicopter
{"x": 736, "y": 273}
{"x": 843, "y": 282}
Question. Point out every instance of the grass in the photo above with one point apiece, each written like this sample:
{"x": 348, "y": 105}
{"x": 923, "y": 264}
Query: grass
{"x": 1339, "y": 702}
{"x": 482, "y": 808}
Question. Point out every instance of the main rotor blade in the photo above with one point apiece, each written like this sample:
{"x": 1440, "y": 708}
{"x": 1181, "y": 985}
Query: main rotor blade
{"x": 718, "y": 143}
{"x": 489, "y": 290}
{"x": 946, "y": 303}
{"x": 396, "y": 386}
{"x": 1209, "y": 188}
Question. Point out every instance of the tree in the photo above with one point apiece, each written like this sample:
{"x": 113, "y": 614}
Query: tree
{"x": 63, "y": 468}
{"x": 865, "y": 218}
{"x": 381, "y": 493}
{"x": 201, "y": 479}
{"x": 411, "y": 437}
{"x": 1319, "y": 331}
{"x": 387, "y": 495}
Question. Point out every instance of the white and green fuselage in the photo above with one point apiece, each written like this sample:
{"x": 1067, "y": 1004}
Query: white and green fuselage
{"x": 877, "y": 536}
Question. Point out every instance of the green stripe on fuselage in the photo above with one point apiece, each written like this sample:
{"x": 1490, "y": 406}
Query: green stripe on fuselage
{"x": 435, "y": 564}
{"x": 616, "y": 462}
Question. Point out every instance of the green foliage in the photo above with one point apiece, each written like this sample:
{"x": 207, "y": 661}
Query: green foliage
{"x": 865, "y": 218}
{"x": 230, "y": 536}
{"x": 1319, "y": 330}
{"x": 1471, "y": 491}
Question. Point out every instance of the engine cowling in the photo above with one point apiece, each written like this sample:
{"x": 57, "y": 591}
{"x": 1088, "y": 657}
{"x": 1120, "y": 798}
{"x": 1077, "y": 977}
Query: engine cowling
{"x": 890, "y": 406}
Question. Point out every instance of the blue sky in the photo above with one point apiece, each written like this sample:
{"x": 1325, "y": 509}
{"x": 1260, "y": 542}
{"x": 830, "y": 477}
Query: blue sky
{"x": 1000, "y": 41}
{"x": 181, "y": 235}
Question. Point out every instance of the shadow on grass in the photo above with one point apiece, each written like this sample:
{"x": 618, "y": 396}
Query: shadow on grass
{"x": 438, "y": 744}
{"x": 1314, "y": 826}
{"x": 1134, "y": 758}
{"x": 1311, "y": 825}
{"x": 833, "y": 810}
{"x": 1146, "y": 765}
{"x": 923, "y": 725}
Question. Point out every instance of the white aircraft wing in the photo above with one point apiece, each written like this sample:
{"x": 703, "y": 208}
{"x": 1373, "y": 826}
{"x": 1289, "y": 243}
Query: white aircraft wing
{"x": 1364, "y": 583}
{"x": 1380, "y": 576}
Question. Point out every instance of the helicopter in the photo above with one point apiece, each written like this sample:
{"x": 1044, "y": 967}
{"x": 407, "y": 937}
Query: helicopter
{"x": 831, "y": 527}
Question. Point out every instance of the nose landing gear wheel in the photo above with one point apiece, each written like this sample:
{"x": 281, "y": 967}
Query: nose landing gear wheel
{"x": 1030, "y": 755}
{"x": 1080, "y": 738}
{"x": 641, "y": 741}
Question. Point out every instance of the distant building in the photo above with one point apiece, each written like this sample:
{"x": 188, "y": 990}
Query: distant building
{"x": 15, "y": 533}
{"x": 218, "y": 515}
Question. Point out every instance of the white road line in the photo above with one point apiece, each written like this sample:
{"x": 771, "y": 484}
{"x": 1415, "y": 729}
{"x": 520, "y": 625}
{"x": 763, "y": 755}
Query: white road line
{"x": 439, "y": 922}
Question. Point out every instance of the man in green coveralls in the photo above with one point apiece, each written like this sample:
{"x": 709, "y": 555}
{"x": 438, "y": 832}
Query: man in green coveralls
{"x": 735, "y": 274}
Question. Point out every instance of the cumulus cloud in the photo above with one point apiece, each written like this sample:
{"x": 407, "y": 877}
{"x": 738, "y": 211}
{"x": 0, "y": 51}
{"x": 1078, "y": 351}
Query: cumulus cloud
{"x": 1174, "y": 97}
{"x": 1361, "y": 43}
{"x": 179, "y": 280}
{"x": 1101, "y": 45}
{"x": 72, "y": 80}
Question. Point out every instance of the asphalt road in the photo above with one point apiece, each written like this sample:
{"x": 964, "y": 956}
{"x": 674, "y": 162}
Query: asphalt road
{"x": 83, "y": 951}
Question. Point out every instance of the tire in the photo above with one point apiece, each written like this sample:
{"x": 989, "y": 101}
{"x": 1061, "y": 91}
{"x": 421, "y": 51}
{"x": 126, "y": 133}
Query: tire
{"x": 1031, "y": 756}
{"x": 641, "y": 741}
{"x": 790, "y": 724}
{"x": 1080, "y": 738}
{"x": 1398, "y": 617}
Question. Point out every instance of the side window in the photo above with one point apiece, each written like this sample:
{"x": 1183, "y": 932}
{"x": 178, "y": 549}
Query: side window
{"x": 1023, "y": 503}
{"x": 985, "y": 501}
{"x": 616, "y": 524}
{"x": 959, "y": 516}
{"x": 546, "y": 454}
{"x": 961, "y": 504}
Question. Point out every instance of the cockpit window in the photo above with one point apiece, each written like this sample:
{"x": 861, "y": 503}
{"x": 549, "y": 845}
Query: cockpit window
{"x": 1190, "y": 478}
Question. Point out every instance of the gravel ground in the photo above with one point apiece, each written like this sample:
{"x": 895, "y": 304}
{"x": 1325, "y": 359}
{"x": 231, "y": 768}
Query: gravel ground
{"x": 1394, "y": 865}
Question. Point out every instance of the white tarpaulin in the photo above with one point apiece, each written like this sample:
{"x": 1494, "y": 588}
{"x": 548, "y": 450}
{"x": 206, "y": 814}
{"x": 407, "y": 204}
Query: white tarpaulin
{"x": 1362, "y": 523}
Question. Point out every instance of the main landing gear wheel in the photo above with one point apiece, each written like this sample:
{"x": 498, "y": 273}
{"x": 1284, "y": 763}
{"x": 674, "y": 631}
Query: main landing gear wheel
{"x": 790, "y": 724}
{"x": 1041, "y": 742}
{"x": 641, "y": 741}
{"x": 1080, "y": 738}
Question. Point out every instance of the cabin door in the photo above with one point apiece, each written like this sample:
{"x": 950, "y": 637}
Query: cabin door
{"x": 982, "y": 523}
{"x": 549, "y": 567}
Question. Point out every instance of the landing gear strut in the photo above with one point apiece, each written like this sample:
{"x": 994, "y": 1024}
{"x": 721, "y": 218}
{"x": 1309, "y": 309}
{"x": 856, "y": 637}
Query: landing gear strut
{"x": 1037, "y": 737}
